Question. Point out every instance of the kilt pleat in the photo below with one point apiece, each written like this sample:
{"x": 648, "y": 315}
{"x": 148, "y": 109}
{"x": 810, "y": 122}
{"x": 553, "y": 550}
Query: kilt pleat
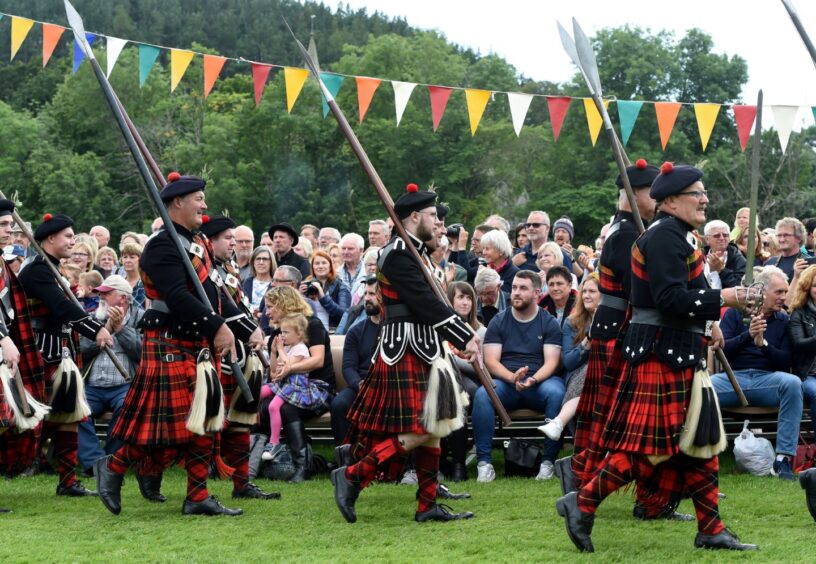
{"x": 648, "y": 409}
{"x": 593, "y": 405}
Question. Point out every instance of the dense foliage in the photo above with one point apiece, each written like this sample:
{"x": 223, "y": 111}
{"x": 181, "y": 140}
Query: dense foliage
{"x": 60, "y": 149}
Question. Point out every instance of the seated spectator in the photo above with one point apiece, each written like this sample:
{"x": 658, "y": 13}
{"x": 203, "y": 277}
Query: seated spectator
{"x": 352, "y": 273}
{"x": 131, "y": 253}
{"x": 14, "y": 255}
{"x": 105, "y": 388}
{"x": 359, "y": 347}
{"x": 741, "y": 221}
{"x": 563, "y": 234}
{"x": 538, "y": 229}
{"x": 378, "y": 233}
{"x": 310, "y": 232}
{"x": 790, "y": 236}
{"x": 490, "y": 299}
{"x": 262, "y": 268}
{"x": 459, "y": 255}
{"x": 327, "y": 237}
{"x": 288, "y": 276}
{"x": 326, "y": 288}
{"x": 71, "y": 273}
{"x": 86, "y": 290}
{"x": 810, "y": 226}
{"x": 769, "y": 241}
{"x": 157, "y": 225}
{"x": 549, "y": 255}
{"x": 107, "y": 262}
{"x": 356, "y": 313}
{"x": 83, "y": 256}
{"x": 284, "y": 237}
{"x": 101, "y": 234}
{"x": 244, "y": 245}
{"x": 522, "y": 352}
{"x": 520, "y": 239}
{"x": 19, "y": 237}
{"x": 761, "y": 254}
{"x": 575, "y": 354}
{"x": 560, "y": 297}
{"x": 802, "y": 329}
{"x": 496, "y": 250}
{"x": 336, "y": 256}
{"x": 266, "y": 240}
{"x": 760, "y": 355}
{"x": 304, "y": 248}
{"x": 725, "y": 265}
{"x": 498, "y": 222}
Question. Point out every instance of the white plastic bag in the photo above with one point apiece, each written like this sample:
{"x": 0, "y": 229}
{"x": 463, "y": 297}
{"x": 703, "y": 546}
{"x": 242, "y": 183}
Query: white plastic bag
{"x": 754, "y": 455}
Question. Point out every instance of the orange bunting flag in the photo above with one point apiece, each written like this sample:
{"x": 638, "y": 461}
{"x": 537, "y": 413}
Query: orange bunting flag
{"x": 476, "y": 103}
{"x": 51, "y": 36}
{"x": 706, "y": 117}
{"x": 594, "y": 119}
{"x": 666, "y": 116}
{"x": 19, "y": 31}
{"x": 212, "y": 68}
{"x": 294, "y": 79}
{"x": 365, "y": 92}
{"x": 179, "y": 61}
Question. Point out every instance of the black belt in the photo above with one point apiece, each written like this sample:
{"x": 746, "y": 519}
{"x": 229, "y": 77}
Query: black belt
{"x": 40, "y": 325}
{"x": 170, "y": 357}
{"x": 651, "y": 316}
{"x": 614, "y": 302}
{"x": 397, "y": 310}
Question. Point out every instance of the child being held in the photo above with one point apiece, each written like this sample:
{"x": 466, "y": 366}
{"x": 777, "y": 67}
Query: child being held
{"x": 295, "y": 389}
{"x": 86, "y": 292}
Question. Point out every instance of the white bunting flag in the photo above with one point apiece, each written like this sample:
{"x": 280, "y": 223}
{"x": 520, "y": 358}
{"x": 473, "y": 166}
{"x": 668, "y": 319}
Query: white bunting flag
{"x": 402, "y": 91}
{"x": 784, "y": 116}
{"x": 519, "y": 104}
{"x": 115, "y": 46}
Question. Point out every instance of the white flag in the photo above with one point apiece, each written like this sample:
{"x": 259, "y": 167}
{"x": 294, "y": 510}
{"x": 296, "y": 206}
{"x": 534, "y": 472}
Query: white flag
{"x": 519, "y": 104}
{"x": 402, "y": 91}
{"x": 115, "y": 46}
{"x": 784, "y": 116}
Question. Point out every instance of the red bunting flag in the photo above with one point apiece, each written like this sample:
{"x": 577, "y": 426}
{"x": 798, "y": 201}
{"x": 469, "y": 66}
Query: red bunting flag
{"x": 666, "y": 116}
{"x": 51, "y": 36}
{"x": 558, "y": 106}
{"x": 365, "y": 92}
{"x": 439, "y": 100}
{"x": 744, "y": 117}
{"x": 260, "y": 73}
{"x": 212, "y": 68}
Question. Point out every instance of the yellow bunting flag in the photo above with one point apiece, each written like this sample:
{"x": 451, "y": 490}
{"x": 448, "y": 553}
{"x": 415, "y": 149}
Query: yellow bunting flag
{"x": 476, "y": 103}
{"x": 294, "y": 78}
{"x": 706, "y": 116}
{"x": 179, "y": 61}
{"x": 19, "y": 30}
{"x": 594, "y": 119}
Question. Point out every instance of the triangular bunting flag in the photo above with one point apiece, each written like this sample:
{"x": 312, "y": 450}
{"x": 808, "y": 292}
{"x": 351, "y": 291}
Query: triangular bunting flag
{"x": 260, "y": 73}
{"x": 628, "y": 111}
{"x": 594, "y": 119}
{"x": 784, "y": 116}
{"x": 558, "y": 106}
{"x": 51, "y": 36}
{"x": 294, "y": 79}
{"x": 476, "y": 103}
{"x": 744, "y": 118}
{"x": 519, "y": 104}
{"x": 402, "y": 92}
{"x": 212, "y": 68}
{"x": 147, "y": 58}
{"x": 333, "y": 83}
{"x": 439, "y": 101}
{"x": 365, "y": 92}
{"x": 706, "y": 117}
{"x": 19, "y": 31}
{"x": 79, "y": 54}
{"x": 666, "y": 116}
{"x": 179, "y": 61}
{"x": 115, "y": 46}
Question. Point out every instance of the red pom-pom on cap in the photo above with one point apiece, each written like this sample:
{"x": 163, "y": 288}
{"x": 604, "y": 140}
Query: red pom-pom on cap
{"x": 205, "y": 219}
{"x": 666, "y": 167}
{"x": 412, "y": 188}
{"x": 640, "y": 164}
{"x": 48, "y": 217}
{"x": 173, "y": 176}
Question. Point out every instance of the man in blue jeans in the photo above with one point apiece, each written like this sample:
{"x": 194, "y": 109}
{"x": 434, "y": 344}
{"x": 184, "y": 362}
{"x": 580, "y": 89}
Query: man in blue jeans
{"x": 522, "y": 351}
{"x": 760, "y": 355}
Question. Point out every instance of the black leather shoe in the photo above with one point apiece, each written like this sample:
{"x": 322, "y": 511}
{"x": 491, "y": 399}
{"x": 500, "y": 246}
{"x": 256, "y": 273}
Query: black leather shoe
{"x": 441, "y": 512}
{"x": 563, "y": 470}
{"x": 443, "y": 492}
{"x": 725, "y": 539}
{"x": 150, "y": 487}
{"x": 251, "y": 491}
{"x": 209, "y": 506}
{"x": 75, "y": 490}
{"x": 459, "y": 472}
{"x": 579, "y": 524}
{"x": 669, "y": 513}
{"x": 342, "y": 455}
{"x": 4, "y": 510}
{"x": 109, "y": 485}
{"x": 345, "y": 494}
{"x": 807, "y": 480}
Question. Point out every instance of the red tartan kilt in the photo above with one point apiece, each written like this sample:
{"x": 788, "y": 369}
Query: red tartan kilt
{"x": 593, "y": 404}
{"x": 391, "y": 398}
{"x": 649, "y": 408}
{"x": 159, "y": 398}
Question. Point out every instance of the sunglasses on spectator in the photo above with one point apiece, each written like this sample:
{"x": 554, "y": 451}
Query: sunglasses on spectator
{"x": 719, "y": 235}
{"x": 535, "y": 225}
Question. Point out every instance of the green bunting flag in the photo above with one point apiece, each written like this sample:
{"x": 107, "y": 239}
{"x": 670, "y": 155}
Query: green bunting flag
{"x": 147, "y": 58}
{"x": 628, "y": 111}
{"x": 333, "y": 82}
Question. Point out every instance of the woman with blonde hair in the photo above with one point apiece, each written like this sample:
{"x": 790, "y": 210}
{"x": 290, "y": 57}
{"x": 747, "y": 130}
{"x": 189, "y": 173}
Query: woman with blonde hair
{"x": 83, "y": 256}
{"x": 336, "y": 255}
{"x": 106, "y": 261}
{"x": 802, "y": 330}
{"x": 131, "y": 253}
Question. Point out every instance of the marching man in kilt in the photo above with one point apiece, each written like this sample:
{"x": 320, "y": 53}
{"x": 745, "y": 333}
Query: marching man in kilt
{"x": 175, "y": 401}
{"x": 664, "y": 343}
{"x": 21, "y": 393}
{"x": 55, "y": 320}
{"x": 411, "y": 396}
{"x": 241, "y": 415}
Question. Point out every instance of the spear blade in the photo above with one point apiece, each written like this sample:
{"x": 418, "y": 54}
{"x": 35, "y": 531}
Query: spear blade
{"x": 78, "y": 28}
{"x": 587, "y": 57}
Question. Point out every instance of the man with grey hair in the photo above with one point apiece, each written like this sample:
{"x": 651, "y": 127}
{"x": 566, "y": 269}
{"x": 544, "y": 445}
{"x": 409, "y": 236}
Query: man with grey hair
{"x": 725, "y": 265}
{"x": 105, "y": 387}
{"x": 760, "y": 355}
{"x": 490, "y": 300}
{"x": 286, "y": 275}
{"x": 101, "y": 234}
{"x": 327, "y": 237}
{"x": 496, "y": 250}
{"x": 352, "y": 273}
{"x": 538, "y": 231}
{"x": 790, "y": 234}
{"x": 378, "y": 233}
{"x": 498, "y": 222}
{"x": 244, "y": 245}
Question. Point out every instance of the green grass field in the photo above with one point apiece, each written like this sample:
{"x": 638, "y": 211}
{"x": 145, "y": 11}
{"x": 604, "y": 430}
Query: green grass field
{"x": 515, "y": 521}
